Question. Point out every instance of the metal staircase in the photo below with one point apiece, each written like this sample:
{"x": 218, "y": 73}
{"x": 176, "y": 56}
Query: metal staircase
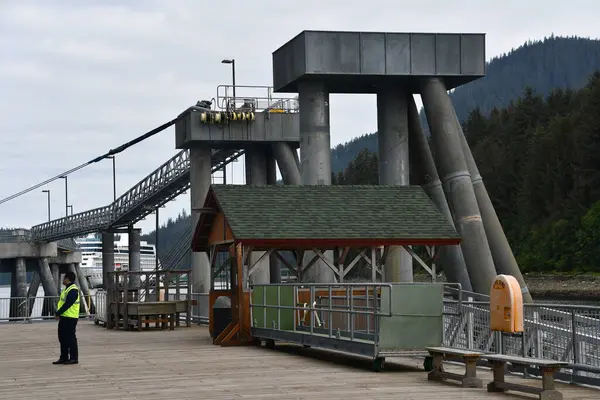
{"x": 162, "y": 185}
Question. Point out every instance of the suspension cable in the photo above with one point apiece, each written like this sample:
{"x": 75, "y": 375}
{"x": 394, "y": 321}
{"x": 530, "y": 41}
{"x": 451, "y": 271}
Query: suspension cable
{"x": 95, "y": 160}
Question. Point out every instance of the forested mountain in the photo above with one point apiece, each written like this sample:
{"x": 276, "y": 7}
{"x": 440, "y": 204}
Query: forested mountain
{"x": 539, "y": 158}
{"x": 555, "y": 62}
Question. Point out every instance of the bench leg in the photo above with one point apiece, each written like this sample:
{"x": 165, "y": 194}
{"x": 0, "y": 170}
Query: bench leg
{"x": 470, "y": 380}
{"x": 550, "y": 392}
{"x": 498, "y": 369}
{"x": 437, "y": 367}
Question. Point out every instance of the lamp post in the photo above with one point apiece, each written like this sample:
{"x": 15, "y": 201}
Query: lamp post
{"x": 232, "y": 62}
{"x": 71, "y": 207}
{"x": 48, "y": 193}
{"x": 114, "y": 178}
{"x": 66, "y": 195}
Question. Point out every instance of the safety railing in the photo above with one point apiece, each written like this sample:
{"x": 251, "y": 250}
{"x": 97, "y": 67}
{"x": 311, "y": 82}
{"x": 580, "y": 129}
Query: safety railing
{"x": 564, "y": 333}
{"x": 336, "y": 310}
{"x": 253, "y": 98}
{"x": 29, "y": 309}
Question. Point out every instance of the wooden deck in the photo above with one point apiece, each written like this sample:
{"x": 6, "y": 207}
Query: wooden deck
{"x": 183, "y": 364}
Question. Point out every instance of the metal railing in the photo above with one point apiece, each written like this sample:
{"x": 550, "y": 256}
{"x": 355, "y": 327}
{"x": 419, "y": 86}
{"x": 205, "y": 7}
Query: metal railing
{"x": 25, "y": 236}
{"x": 564, "y": 333}
{"x": 254, "y": 98}
{"x": 29, "y": 309}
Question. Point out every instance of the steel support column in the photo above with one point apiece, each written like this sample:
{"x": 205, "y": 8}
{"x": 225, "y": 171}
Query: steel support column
{"x": 256, "y": 174}
{"x": 274, "y": 263}
{"x": 315, "y": 156}
{"x": 286, "y": 160}
{"x": 200, "y": 179}
{"x": 426, "y": 175}
{"x": 108, "y": 256}
{"x": 392, "y": 128}
{"x": 134, "y": 256}
{"x": 457, "y": 184}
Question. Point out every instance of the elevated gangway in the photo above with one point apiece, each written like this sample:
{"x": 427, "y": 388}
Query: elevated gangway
{"x": 162, "y": 185}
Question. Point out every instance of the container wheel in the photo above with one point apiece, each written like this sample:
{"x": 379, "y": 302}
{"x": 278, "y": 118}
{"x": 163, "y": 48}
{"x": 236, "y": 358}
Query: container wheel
{"x": 428, "y": 364}
{"x": 378, "y": 364}
{"x": 270, "y": 344}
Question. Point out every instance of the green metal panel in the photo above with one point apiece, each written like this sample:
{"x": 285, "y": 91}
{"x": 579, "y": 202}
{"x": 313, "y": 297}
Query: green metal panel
{"x": 417, "y": 317}
{"x": 267, "y": 295}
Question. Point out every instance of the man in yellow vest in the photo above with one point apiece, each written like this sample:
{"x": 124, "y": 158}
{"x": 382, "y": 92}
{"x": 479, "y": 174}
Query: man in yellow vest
{"x": 68, "y": 315}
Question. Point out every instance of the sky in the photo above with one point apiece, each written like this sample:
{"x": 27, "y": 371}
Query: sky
{"x": 79, "y": 77}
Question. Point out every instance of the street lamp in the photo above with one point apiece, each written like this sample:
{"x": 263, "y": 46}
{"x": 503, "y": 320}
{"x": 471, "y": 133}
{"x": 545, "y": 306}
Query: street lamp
{"x": 232, "y": 62}
{"x": 71, "y": 207}
{"x": 66, "y": 195}
{"x": 48, "y": 193}
{"x": 114, "y": 178}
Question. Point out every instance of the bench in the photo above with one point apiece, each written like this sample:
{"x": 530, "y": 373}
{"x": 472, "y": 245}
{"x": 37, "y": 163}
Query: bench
{"x": 439, "y": 354}
{"x": 548, "y": 368}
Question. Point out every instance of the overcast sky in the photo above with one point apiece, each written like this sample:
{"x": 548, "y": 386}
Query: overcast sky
{"x": 79, "y": 77}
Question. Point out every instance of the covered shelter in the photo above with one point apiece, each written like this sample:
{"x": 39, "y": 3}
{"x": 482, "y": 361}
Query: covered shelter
{"x": 361, "y": 220}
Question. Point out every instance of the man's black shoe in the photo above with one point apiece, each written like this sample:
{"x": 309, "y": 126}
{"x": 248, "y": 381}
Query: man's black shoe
{"x": 59, "y": 361}
{"x": 70, "y": 362}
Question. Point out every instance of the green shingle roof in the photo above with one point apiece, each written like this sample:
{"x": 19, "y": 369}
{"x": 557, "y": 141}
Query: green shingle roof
{"x": 331, "y": 212}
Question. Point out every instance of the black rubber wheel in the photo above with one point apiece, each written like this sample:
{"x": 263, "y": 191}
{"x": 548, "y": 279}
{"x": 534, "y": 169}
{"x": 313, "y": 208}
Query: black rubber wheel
{"x": 270, "y": 344}
{"x": 428, "y": 364}
{"x": 378, "y": 364}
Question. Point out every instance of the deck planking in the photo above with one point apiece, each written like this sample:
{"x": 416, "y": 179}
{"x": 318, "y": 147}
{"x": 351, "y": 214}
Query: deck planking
{"x": 184, "y": 364}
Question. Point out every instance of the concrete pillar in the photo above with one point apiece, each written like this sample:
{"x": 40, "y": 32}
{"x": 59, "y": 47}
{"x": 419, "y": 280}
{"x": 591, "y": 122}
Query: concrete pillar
{"x": 274, "y": 263}
{"x": 504, "y": 259}
{"x": 200, "y": 174}
{"x": 18, "y": 289}
{"x": 315, "y": 156}
{"x": 134, "y": 256}
{"x": 56, "y": 276}
{"x": 34, "y": 286}
{"x": 423, "y": 167}
{"x": 286, "y": 158}
{"x": 256, "y": 174}
{"x": 50, "y": 289}
{"x": 392, "y": 128}
{"x": 108, "y": 256}
{"x": 457, "y": 184}
{"x": 83, "y": 285}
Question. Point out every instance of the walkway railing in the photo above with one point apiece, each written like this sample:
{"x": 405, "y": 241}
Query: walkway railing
{"x": 567, "y": 333}
{"x": 28, "y": 309}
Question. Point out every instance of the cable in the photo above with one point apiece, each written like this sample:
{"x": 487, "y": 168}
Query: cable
{"x": 95, "y": 160}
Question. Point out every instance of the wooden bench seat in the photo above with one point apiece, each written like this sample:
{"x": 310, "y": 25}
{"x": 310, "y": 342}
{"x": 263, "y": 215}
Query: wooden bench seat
{"x": 468, "y": 379}
{"x": 548, "y": 368}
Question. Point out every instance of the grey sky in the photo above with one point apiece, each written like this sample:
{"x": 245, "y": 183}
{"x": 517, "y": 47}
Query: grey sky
{"x": 80, "y": 77}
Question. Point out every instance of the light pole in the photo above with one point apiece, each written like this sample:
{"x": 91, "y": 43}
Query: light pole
{"x": 232, "y": 62}
{"x": 48, "y": 193}
{"x": 66, "y": 195}
{"x": 71, "y": 207}
{"x": 114, "y": 178}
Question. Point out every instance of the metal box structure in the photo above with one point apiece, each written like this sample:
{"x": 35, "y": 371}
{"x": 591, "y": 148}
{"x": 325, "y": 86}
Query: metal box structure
{"x": 350, "y": 62}
{"x": 266, "y": 127}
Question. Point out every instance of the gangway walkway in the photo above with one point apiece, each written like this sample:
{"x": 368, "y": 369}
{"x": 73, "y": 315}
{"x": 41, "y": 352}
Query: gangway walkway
{"x": 162, "y": 185}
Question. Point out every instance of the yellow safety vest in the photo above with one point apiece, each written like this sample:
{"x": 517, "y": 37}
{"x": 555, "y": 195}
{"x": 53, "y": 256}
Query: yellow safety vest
{"x": 73, "y": 311}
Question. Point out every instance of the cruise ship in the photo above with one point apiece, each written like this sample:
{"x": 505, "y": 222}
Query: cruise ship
{"x": 91, "y": 251}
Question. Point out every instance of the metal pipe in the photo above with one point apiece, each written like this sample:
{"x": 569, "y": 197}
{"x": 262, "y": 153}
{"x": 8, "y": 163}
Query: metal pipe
{"x": 457, "y": 184}
{"x": 502, "y": 254}
{"x": 425, "y": 172}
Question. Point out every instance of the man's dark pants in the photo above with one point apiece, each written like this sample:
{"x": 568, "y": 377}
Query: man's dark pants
{"x": 68, "y": 339}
